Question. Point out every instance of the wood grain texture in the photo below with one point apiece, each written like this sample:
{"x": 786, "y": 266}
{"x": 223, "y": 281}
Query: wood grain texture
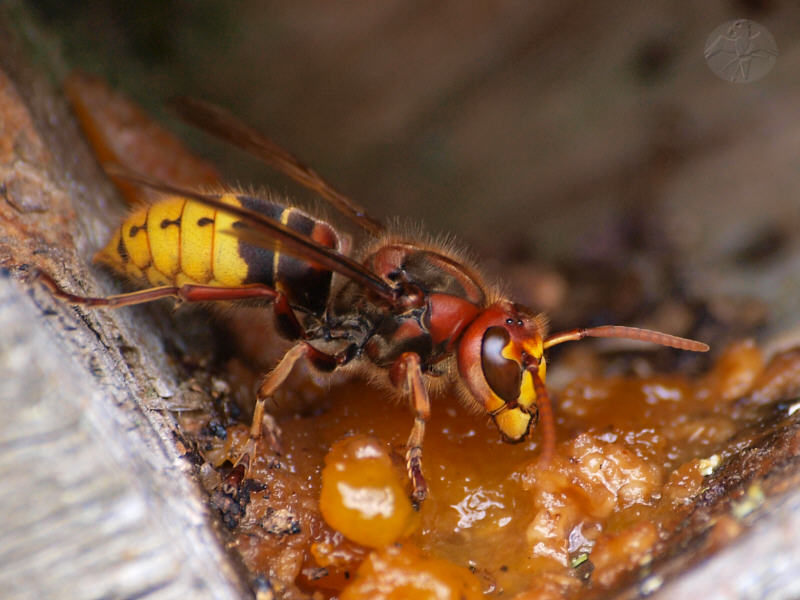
{"x": 96, "y": 500}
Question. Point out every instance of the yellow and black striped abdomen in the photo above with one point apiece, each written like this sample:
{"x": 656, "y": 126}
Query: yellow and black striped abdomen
{"x": 177, "y": 241}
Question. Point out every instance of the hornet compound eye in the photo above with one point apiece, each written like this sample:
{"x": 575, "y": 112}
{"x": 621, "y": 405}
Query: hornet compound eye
{"x": 504, "y": 375}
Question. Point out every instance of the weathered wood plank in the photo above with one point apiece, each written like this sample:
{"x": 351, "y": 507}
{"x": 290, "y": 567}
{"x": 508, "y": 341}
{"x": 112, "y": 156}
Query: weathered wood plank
{"x": 96, "y": 501}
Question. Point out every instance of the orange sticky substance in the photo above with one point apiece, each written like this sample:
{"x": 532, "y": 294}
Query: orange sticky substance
{"x": 363, "y": 494}
{"x": 630, "y": 453}
{"x": 404, "y": 573}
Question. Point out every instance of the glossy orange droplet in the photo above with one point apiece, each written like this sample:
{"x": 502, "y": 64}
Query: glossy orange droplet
{"x": 363, "y": 493}
{"x": 405, "y": 573}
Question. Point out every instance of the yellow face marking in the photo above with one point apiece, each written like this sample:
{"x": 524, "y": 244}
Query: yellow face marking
{"x": 513, "y": 423}
{"x": 134, "y": 238}
{"x": 164, "y": 231}
{"x": 494, "y": 402}
{"x": 527, "y": 393}
{"x": 511, "y": 352}
{"x": 197, "y": 242}
{"x": 230, "y": 269}
{"x": 533, "y": 346}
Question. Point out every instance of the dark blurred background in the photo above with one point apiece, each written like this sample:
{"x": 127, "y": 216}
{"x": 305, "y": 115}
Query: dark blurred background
{"x": 585, "y": 151}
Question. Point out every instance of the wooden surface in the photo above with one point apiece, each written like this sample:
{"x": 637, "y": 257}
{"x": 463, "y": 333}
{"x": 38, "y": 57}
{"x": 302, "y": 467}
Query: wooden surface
{"x": 763, "y": 563}
{"x": 96, "y": 501}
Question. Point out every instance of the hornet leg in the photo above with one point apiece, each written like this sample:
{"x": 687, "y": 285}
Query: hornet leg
{"x": 406, "y": 374}
{"x": 187, "y": 293}
{"x": 270, "y": 384}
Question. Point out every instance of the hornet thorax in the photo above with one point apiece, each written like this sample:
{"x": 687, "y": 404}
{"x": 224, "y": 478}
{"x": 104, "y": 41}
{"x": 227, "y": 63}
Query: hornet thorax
{"x": 434, "y": 289}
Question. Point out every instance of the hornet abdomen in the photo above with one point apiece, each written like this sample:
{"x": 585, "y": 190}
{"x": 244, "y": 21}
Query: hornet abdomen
{"x": 178, "y": 241}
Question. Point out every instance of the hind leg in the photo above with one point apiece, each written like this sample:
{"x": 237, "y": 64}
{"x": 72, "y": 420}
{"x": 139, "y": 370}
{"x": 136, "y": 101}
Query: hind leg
{"x": 187, "y": 293}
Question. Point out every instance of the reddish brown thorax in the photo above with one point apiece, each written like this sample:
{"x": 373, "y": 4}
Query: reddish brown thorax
{"x": 448, "y": 317}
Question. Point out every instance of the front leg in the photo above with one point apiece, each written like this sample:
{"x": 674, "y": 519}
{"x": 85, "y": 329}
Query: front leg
{"x": 406, "y": 375}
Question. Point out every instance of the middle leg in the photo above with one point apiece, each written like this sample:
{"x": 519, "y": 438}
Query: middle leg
{"x": 406, "y": 374}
